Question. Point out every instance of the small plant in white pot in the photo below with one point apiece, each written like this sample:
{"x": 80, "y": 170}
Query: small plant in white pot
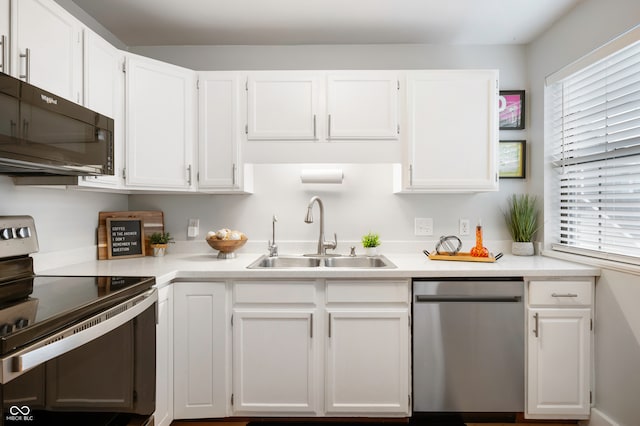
{"x": 159, "y": 241}
{"x": 521, "y": 217}
{"x": 370, "y": 242}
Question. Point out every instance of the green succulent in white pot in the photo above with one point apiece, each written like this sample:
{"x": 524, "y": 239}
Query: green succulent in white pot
{"x": 521, "y": 217}
{"x": 370, "y": 242}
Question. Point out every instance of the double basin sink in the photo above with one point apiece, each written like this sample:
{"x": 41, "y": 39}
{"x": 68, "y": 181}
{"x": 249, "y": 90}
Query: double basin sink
{"x": 376, "y": 262}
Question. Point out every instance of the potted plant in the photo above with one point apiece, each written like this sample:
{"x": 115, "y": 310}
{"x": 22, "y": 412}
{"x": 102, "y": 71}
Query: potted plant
{"x": 159, "y": 242}
{"x": 370, "y": 242}
{"x": 521, "y": 218}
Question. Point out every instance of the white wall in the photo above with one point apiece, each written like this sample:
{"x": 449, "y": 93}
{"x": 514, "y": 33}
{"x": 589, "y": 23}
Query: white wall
{"x": 65, "y": 219}
{"x": 617, "y": 328}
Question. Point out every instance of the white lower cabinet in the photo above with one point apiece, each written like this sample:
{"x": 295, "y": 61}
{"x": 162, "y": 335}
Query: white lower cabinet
{"x": 164, "y": 358}
{"x": 559, "y": 350}
{"x": 274, "y": 348}
{"x": 274, "y": 362}
{"x": 321, "y": 348}
{"x": 200, "y": 350}
{"x": 368, "y": 348}
{"x": 367, "y": 362}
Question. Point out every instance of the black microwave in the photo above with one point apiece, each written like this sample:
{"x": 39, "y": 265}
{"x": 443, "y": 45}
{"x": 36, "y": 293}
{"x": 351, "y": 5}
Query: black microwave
{"x": 43, "y": 135}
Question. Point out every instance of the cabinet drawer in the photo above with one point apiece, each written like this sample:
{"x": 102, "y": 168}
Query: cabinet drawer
{"x": 560, "y": 293}
{"x": 368, "y": 291}
{"x": 274, "y": 292}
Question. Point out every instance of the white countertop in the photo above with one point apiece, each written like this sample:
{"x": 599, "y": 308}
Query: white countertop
{"x": 205, "y": 266}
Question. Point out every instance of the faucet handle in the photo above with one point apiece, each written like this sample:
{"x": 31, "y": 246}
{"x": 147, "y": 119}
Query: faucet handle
{"x": 331, "y": 244}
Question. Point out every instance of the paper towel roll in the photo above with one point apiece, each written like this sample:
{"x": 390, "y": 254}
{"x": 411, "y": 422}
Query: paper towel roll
{"x": 321, "y": 176}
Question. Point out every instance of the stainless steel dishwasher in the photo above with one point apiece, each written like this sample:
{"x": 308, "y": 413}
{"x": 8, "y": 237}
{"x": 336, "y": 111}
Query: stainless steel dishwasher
{"x": 468, "y": 345}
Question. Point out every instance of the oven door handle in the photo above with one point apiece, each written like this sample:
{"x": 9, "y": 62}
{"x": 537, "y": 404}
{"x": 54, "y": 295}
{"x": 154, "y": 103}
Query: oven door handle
{"x": 75, "y": 336}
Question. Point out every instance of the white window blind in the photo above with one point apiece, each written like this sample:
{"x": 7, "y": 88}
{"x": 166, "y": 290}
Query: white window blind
{"x": 593, "y": 128}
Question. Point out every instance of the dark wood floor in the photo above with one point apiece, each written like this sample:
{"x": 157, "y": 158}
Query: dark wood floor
{"x": 243, "y": 423}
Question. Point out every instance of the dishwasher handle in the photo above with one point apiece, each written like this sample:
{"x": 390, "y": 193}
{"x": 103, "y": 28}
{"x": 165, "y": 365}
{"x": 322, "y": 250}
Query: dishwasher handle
{"x": 457, "y": 299}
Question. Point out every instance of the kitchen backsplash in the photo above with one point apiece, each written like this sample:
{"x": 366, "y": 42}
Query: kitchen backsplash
{"x": 363, "y": 202}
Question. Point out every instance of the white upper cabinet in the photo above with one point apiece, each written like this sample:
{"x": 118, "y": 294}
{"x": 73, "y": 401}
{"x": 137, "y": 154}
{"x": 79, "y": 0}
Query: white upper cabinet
{"x": 5, "y": 28}
{"x": 220, "y": 166}
{"x": 104, "y": 93}
{"x": 362, "y": 105}
{"x": 452, "y": 132}
{"x": 322, "y": 106}
{"x": 46, "y": 47}
{"x": 160, "y": 123}
{"x": 282, "y": 105}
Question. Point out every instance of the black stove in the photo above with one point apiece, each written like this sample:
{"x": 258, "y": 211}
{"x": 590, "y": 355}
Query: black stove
{"x": 60, "y": 336}
{"x": 55, "y": 302}
{"x": 35, "y": 306}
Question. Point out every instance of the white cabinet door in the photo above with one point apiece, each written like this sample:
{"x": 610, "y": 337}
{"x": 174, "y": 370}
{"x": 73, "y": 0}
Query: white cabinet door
{"x": 200, "y": 350}
{"x": 160, "y": 120}
{"x": 46, "y": 46}
{"x": 368, "y": 362}
{"x": 282, "y": 105}
{"x": 104, "y": 93}
{"x": 274, "y": 363}
{"x": 452, "y": 131}
{"x": 163, "y": 415}
{"x": 219, "y": 161}
{"x": 5, "y": 28}
{"x": 362, "y": 105}
{"x": 559, "y": 347}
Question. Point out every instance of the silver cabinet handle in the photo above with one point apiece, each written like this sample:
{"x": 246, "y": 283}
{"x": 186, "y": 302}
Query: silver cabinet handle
{"x": 311, "y": 327}
{"x": 27, "y": 65}
{"x": 410, "y": 174}
{"x": 314, "y": 128}
{"x": 233, "y": 174}
{"x": 3, "y": 42}
{"x": 536, "y": 317}
{"x": 329, "y": 127}
{"x": 564, "y": 295}
{"x": 189, "y": 174}
{"x": 329, "y": 325}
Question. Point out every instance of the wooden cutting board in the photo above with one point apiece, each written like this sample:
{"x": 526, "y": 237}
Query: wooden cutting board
{"x": 462, "y": 257}
{"x": 153, "y": 221}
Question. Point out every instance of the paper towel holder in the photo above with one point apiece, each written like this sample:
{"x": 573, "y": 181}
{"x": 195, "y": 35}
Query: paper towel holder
{"x": 322, "y": 176}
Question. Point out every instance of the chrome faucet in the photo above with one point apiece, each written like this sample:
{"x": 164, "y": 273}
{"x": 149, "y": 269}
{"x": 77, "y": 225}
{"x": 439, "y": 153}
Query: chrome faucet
{"x": 273, "y": 247}
{"x": 322, "y": 244}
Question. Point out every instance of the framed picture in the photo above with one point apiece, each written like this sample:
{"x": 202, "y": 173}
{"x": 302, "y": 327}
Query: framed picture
{"x": 513, "y": 159}
{"x": 125, "y": 238}
{"x": 511, "y": 109}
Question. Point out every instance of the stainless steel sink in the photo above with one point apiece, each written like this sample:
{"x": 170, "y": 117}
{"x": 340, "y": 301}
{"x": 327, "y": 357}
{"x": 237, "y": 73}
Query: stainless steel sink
{"x": 358, "y": 262}
{"x": 285, "y": 262}
{"x": 315, "y": 262}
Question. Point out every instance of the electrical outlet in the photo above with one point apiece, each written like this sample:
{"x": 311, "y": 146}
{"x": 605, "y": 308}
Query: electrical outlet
{"x": 423, "y": 226}
{"x": 464, "y": 227}
{"x": 193, "y": 228}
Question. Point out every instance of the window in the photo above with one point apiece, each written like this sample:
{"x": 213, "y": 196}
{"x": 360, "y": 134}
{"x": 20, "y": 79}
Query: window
{"x": 592, "y": 134}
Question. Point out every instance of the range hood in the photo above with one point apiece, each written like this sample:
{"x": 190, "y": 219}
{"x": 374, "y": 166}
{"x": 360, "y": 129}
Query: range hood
{"x": 45, "y": 139}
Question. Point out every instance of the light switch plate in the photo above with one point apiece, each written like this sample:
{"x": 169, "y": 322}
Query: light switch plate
{"x": 464, "y": 227}
{"x": 423, "y": 226}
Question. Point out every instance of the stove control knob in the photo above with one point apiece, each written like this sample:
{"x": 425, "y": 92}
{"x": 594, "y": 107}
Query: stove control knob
{"x": 6, "y": 233}
{"x": 5, "y": 329}
{"x": 21, "y": 323}
{"x": 23, "y": 232}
